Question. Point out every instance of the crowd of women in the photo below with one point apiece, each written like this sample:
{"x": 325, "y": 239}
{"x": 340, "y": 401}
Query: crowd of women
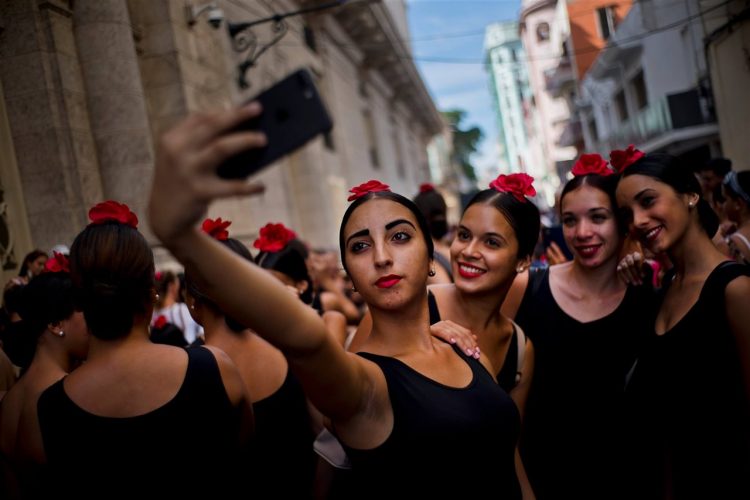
{"x": 471, "y": 372}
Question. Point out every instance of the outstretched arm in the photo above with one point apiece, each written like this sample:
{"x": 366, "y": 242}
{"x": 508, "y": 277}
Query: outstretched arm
{"x": 185, "y": 182}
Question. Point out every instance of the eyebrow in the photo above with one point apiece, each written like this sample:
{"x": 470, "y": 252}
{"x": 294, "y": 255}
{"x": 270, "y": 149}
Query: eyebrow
{"x": 497, "y": 235}
{"x": 388, "y": 227}
{"x": 396, "y": 222}
{"x": 640, "y": 194}
{"x": 363, "y": 232}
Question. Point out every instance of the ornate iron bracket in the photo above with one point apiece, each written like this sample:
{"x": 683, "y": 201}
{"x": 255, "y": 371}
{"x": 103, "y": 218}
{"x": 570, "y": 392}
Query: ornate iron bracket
{"x": 245, "y": 41}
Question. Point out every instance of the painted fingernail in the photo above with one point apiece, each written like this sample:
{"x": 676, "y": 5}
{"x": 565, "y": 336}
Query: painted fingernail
{"x": 469, "y": 352}
{"x": 253, "y": 106}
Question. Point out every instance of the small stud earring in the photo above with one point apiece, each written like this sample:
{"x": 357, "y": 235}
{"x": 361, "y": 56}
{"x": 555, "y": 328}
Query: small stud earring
{"x": 354, "y": 288}
{"x": 690, "y": 204}
{"x": 431, "y": 273}
{"x": 60, "y": 333}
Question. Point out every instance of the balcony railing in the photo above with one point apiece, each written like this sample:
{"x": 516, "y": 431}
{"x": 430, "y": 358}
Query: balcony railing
{"x": 669, "y": 113}
{"x": 559, "y": 77}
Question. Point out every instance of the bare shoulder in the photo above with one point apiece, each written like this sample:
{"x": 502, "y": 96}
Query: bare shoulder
{"x": 737, "y": 291}
{"x": 230, "y": 375}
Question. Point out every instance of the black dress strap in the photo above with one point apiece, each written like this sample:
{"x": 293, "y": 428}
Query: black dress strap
{"x": 434, "y": 311}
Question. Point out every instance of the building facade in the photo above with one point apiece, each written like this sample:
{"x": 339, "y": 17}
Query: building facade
{"x": 509, "y": 85}
{"x": 651, "y": 87}
{"x": 88, "y": 86}
{"x": 547, "y": 114}
{"x": 727, "y": 42}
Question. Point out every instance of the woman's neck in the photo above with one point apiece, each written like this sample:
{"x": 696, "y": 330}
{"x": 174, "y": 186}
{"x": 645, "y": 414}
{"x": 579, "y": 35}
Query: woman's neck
{"x": 597, "y": 280}
{"x": 137, "y": 337}
{"x": 218, "y": 334}
{"x": 694, "y": 254}
{"x": 51, "y": 358}
{"x": 397, "y": 331}
{"x": 479, "y": 311}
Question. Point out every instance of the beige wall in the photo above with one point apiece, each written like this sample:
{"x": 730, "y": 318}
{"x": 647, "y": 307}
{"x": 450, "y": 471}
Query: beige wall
{"x": 91, "y": 84}
{"x": 729, "y": 63}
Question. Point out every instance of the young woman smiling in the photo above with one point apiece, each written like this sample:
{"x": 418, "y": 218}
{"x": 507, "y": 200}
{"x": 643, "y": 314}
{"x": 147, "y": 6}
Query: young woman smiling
{"x": 586, "y": 325}
{"x": 406, "y": 406}
{"x": 689, "y": 394}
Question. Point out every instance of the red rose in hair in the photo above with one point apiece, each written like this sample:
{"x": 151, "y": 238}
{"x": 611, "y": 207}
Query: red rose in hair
{"x": 57, "y": 264}
{"x": 371, "y": 186}
{"x": 160, "y": 322}
{"x": 426, "y": 187}
{"x": 622, "y": 159}
{"x": 109, "y": 210}
{"x": 273, "y": 237}
{"x": 519, "y": 185}
{"x": 591, "y": 164}
{"x": 216, "y": 228}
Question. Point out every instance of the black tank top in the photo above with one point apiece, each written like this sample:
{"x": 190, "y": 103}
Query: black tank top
{"x": 689, "y": 413}
{"x": 571, "y": 443}
{"x": 506, "y": 377}
{"x": 443, "y": 438}
{"x": 283, "y": 456}
{"x": 187, "y": 446}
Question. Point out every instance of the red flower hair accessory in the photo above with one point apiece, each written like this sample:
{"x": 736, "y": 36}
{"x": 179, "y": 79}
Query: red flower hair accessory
{"x": 371, "y": 186}
{"x": 160, "y": 322}
{"x": 426, "y": 187}
{"x": 273, "y": 238}
{"x": 158, "y": 275}
{"x": 109, "y": 210}
{"x": 622, "y": 159}
{"x": 216, "y": 228}
{"x": 57, "y": 264}
{"x": 519, "y": 185}
{"x": 591, "y": 164}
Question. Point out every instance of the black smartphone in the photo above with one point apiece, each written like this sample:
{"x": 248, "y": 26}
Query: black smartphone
{"x": 293, "y": 114}
{"x": 555, "y": 233}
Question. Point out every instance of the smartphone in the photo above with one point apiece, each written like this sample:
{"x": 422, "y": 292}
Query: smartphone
{"x": 293, "y": 114}
{"x": 554, "y": 233}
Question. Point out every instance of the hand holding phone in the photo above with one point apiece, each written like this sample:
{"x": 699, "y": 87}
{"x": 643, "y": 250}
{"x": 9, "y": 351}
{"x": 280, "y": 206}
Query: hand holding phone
{"x": 293, "y": 114}
{"x": 555, "y": 234}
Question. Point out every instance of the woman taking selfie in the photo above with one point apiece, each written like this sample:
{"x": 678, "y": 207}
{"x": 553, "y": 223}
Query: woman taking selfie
{"x": 409, "y": 403}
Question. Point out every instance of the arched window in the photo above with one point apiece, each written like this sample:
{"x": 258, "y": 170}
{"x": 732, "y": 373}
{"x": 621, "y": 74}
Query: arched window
{"x": 542, "y": 32}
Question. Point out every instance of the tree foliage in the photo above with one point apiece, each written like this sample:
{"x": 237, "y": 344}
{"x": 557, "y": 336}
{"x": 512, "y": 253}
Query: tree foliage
{"x": 465, "y": 141}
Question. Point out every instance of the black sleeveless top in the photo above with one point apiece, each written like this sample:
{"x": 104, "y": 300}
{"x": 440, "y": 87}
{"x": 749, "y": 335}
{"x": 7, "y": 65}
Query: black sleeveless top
{"x": 689, "y": 412}
{"x": 283, "y": 459}
{"x": 506, "y": 377}
{"x": 187, "y": 446}
{"x": 443, "y": 438}
{"x": 571, "y": 443}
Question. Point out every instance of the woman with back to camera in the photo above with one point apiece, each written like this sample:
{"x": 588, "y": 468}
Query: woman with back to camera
{"x": 408, "y": 404}
{"x": 586, "y": 326}
{"x": 129, "y": 419}
{"x": 688, "y": 397}
{"x": 282, "y": 457}
{"x": 56, "y": 339}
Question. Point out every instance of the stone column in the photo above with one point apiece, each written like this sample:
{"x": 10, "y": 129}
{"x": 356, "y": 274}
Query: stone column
{"x": 48, "y": 124}
{"x": 116, "y": 103}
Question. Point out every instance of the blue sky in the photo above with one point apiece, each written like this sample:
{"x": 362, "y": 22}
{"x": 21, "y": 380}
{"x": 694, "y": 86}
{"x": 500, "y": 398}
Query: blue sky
{"x": 454, "y": 29}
